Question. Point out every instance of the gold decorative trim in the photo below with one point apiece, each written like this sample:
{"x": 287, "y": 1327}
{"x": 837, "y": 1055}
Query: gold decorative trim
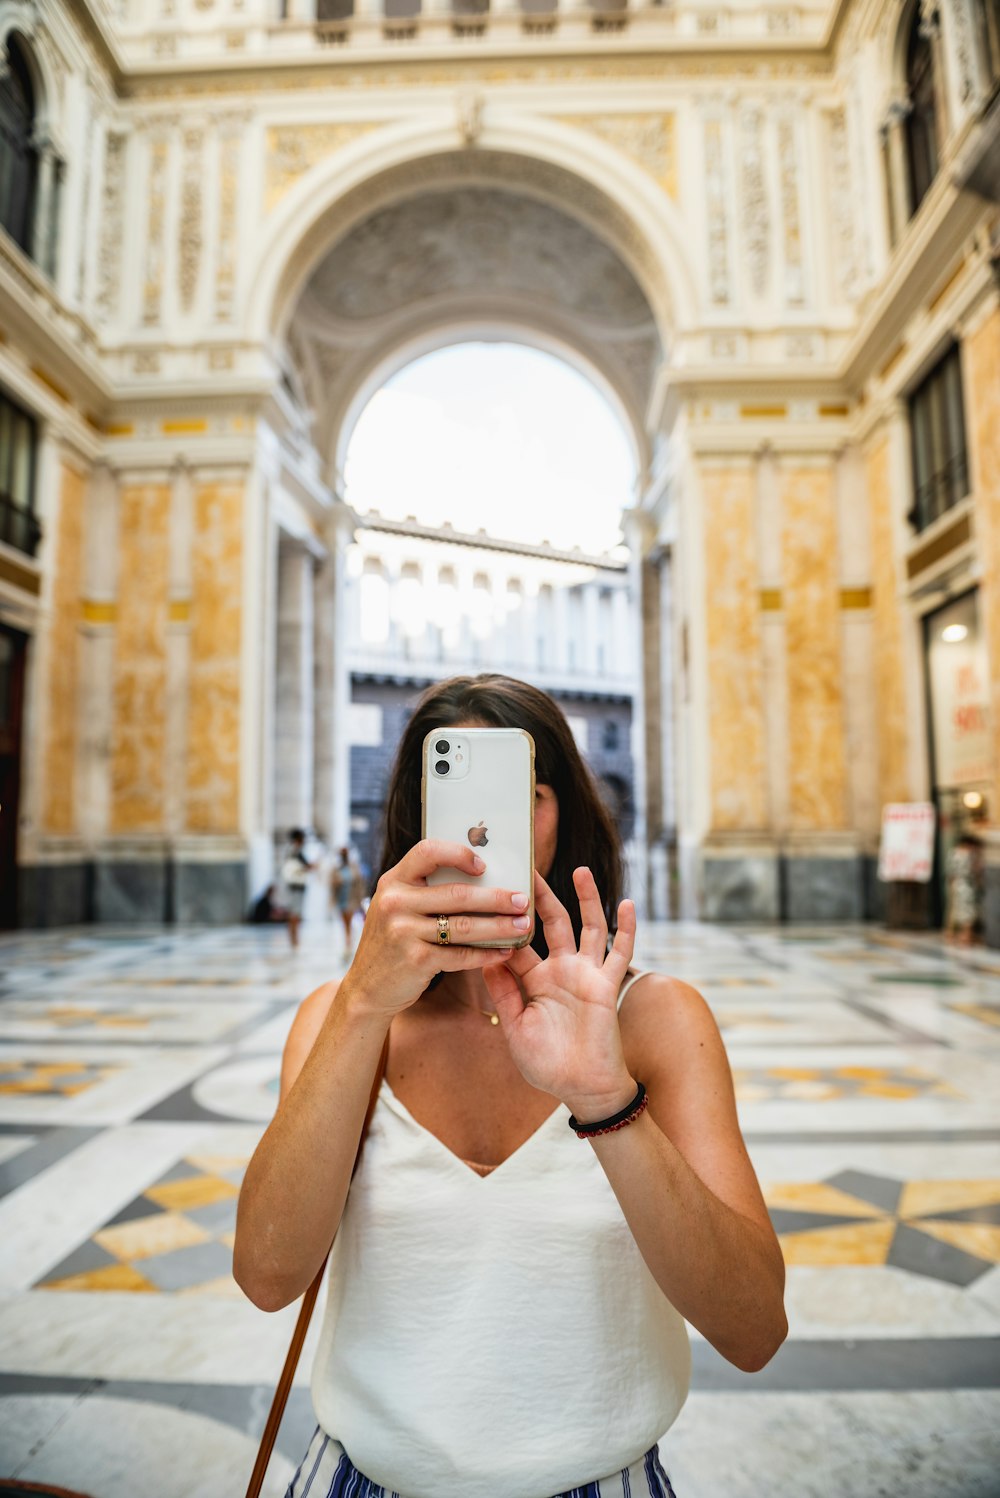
{"x": 945, "y": 541}
{"x": 835, "y": 411}
{"x": 855, "y": 598}
{"x": 50, "y": 384}
{"x": 21, "y": 577}
{"x": 753, "y": 413}
{"x": 179, "y": 428}
{"x": 119, "y": 429}
{"x": 94, "y": 611}
{"x": 179, "y": 610}
{"x": 770, "y": 600}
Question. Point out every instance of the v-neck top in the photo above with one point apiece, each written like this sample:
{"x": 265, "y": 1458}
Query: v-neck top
{"x": 493, "y": 1336}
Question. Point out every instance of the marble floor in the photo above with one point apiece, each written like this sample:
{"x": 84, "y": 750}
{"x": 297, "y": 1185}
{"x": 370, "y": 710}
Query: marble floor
{"x": 139, "y": 1067}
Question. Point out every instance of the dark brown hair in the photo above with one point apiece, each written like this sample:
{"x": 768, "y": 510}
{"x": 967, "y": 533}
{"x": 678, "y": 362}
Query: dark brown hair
{"x": 586, "y": 835}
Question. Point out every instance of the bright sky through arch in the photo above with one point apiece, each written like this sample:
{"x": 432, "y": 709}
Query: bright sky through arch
{"x": 496, "y": 435}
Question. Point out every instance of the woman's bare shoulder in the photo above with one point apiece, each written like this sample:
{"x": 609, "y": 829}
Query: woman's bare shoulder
{"x": 661, "y": 1015}
{"x": 306, "y": 1026}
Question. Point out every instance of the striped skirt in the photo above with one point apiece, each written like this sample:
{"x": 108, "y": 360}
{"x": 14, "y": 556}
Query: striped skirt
{"x": 326, "y": 1471}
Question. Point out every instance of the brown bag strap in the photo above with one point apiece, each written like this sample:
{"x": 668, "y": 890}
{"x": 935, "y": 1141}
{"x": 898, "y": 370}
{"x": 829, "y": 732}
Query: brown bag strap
{"x": 284, "y": 1388}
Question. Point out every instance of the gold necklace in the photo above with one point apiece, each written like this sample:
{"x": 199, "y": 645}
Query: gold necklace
{"x": 490, "y": 1014}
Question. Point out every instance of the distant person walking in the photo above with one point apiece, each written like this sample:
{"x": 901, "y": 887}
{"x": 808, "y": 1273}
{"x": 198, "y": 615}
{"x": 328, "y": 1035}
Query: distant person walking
{"x": 346, "y": 892}
{"x": 295, "y": 871}
{"x": 963, "y": 889}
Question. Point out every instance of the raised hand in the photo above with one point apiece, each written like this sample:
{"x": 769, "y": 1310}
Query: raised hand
{"x": 560, "y": 1015}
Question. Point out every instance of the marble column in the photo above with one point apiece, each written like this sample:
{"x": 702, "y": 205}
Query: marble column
{"x": 332, "y": 793}
{"x": 294, "y": 689}
{"x": 638, "y": 529}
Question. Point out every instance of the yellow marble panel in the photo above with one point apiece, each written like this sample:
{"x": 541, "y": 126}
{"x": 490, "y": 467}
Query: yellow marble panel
{"x": 139, "y": 723}
{"x": 857, "y": 1243}
{"x": 111, "y": 1277}
{"x": 144, "y": 1237}
{"x": 979, "y": 1238}
{"x": 925, "y": 1198}
{"x": 735, "y": 672}
{"x": 817, "y": 761}
{"x": 891, "y": 719}
{"x": 194, "y": 1191}
{"x": 982, "y": 397}
{"x": 213, "y": 745}
{"x": 58, "y": 803}
{"x": 817, "y": 1196}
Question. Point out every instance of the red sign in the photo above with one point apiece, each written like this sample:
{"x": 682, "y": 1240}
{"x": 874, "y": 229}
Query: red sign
{"x": 907, "y": 848}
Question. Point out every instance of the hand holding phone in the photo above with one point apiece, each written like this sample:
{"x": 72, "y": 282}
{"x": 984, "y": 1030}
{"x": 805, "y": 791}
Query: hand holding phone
{"x": 478, "y": 789}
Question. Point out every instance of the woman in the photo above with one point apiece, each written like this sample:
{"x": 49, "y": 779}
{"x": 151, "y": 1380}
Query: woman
{"x": 506, "y": 1299}
{"x": 345, "y": 893}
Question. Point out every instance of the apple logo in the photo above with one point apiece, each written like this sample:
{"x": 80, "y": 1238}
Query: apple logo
{"x": 477, "y": 836}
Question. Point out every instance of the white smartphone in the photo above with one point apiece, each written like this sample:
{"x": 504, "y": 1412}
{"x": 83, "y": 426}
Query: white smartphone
{"x": 478, "y": 787}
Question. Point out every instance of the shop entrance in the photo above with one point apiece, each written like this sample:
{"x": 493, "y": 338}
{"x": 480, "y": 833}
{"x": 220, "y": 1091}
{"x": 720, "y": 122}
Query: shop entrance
{"x": 13, "y": 647}
{"x": 961, "y": 766}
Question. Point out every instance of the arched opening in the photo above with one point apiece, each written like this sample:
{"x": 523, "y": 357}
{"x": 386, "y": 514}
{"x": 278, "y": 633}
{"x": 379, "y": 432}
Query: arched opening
{"x": 18, "y": 154}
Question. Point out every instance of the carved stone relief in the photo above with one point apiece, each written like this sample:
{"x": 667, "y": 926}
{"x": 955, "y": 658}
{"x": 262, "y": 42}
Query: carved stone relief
{"x": 109, "y": 254}
{"x": 85, "y": 216}
{"x": 716, "y": 202}
{"x": 756, "y": 214}
{"x": 650, "y": 139}
{"x": 292, "y": 150}
{"x": 152, "y": 289}
{"x": 791, "y": 213}
{"x": 958, "y": 11}
{"x": 190, "y": 242}
{"x": 230, "y": 134}
{"x": 845, "y": 256}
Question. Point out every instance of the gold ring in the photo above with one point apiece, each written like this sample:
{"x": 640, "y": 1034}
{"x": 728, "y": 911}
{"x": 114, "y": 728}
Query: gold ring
{"x": 444, "y": 933}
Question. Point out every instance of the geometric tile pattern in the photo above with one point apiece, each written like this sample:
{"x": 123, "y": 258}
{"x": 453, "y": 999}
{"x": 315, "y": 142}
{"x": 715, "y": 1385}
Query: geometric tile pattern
{"x": 826, "y": 1084}
{"x": 944, "y": 1230}
{"x": 989, "y": 1014}
{"x": 81, "y": 1016}
{"x": 177, "y": 1237}
{"x": 51, "y": 1078}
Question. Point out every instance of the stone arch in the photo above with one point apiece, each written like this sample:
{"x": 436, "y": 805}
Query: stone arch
{"x": 388, "y": 361}
{"x": 590, "y": 179}
{"x": 19, "y": 22}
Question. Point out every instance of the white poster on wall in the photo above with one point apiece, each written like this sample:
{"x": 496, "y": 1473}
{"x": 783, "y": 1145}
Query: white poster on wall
{"x": 906, "y": 851}
{"x": 960, "y": 697}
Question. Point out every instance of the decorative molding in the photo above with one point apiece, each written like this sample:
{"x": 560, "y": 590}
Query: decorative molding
{"x": 716, "y": 204}
{"x": 650, "y": 139}
{"x": 293, "y": 150}
{"x": 845, "y": 255}
{"x": 469, "y": 111}
{"x": 756, "y": 215}
{"x": 85, "y": 206}
{"x": 112, "y": 225}
{"x": 230, "y": 137}
{"x": 190, "y": 242}
{"x": 963, "y": 49}
{"x": 791, "y": 212}
{"x": 152, "y": 289}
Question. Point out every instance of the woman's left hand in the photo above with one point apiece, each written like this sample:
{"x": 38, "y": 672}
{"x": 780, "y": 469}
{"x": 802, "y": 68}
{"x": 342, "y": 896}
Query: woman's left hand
{"x": 560, "y": 1015}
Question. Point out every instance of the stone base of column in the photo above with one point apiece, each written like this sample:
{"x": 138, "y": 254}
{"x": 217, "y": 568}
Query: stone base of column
{"x": 990, "y": 838}
{"x": 739, "y": 881}
{"x": 56, "y": 891}
{"x": 147, "y": 882}
{"x": 809, "y": 878}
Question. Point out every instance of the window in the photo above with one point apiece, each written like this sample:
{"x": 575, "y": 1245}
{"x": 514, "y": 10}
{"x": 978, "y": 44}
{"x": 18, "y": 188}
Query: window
{"x": 937, "y": 434}
{"x": 610, "y": 735}
{"x": 921, "y": 122}
{"x": 18, "y": 157}
{"x": 18, "y": 525}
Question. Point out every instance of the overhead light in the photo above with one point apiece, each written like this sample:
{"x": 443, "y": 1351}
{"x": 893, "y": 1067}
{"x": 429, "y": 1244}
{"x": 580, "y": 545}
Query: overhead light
{"x": 952, "y": 633}
{"x": 973, "y": 800}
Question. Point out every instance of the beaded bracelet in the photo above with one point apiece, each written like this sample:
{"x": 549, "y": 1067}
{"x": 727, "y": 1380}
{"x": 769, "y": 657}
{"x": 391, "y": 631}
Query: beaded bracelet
{"x": 616, "y": 1121}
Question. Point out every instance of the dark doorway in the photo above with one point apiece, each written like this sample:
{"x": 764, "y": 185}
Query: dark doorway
{"x": 13, "y": 649}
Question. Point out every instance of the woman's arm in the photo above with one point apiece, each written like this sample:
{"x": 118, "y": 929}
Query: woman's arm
{"x": 296, "y": 1185}
{"x": 680, "y": 1171}
{"x": 684, "y": 1180}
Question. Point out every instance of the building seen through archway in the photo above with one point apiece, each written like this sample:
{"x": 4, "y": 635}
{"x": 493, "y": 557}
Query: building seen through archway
{"x": 768, "y": 235}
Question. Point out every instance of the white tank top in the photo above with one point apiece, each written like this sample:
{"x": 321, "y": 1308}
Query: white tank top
{"x": 497, "y": 1336}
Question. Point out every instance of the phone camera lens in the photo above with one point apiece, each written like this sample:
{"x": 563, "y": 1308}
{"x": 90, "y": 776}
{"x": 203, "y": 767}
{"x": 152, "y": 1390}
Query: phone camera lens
{"x": 442, "y": 767}
{"x": 442, "y": 746}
